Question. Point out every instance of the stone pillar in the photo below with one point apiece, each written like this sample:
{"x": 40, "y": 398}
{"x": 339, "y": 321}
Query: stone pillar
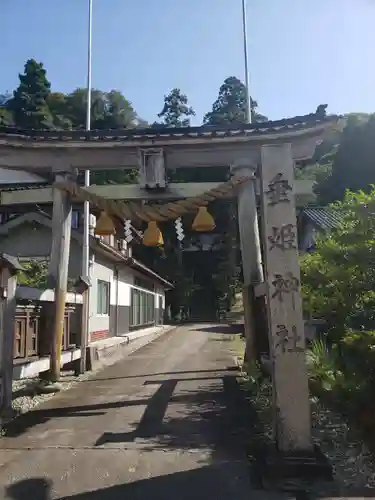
{"x": 251, "y": 254}
{"x": 287, "y": 339}
{"x": 248, "y": 224}
{"x": 58, "y": 267}
{"x": 8, "y": 283}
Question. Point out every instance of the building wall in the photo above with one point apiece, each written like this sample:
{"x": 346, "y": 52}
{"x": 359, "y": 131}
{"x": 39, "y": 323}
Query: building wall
{"x": 123, "y": 279}
{"x": 307, "y": 237}
{"x": 99, "y": 323}
{"x": 31, "y": 240}
{"x": 8, "y": 176}
{"x": 121, "y": 282}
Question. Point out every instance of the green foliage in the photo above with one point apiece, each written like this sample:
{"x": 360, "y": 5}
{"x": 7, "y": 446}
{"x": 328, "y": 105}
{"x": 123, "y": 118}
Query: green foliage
{"x": 114, "y": 176}
{"x": 231, "y": 105}
{"x": 176, "y": 110}
{"x": 349, "y": 153}
{"x": 205, "y": 282}
{"x": 6, "y": 117}
{"x": 57, "y": 103}
{"x": 338, "y": 280}
{"x": 109, "y": 110}
{"x": 254, "y": 377}
{"x": 29, "y": 103}
{"x": 344, "y": 373}
{"x": 338, "y": 283}
{"x": 34, "y": 275}
{"x": 323, "y": 365}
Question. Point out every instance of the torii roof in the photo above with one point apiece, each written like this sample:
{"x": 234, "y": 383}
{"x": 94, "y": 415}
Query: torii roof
{"x": 297, "y": 123}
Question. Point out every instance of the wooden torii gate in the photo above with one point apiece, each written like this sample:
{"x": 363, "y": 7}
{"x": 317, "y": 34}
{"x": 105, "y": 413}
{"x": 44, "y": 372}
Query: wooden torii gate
{"x": 261, "y": 157}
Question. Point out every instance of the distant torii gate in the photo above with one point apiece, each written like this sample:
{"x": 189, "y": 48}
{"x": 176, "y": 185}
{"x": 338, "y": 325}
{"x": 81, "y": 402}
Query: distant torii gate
{"x": 261, "y": 157}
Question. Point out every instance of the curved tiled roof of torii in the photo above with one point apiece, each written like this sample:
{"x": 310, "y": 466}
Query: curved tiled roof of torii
{"x": 284, "y": 126}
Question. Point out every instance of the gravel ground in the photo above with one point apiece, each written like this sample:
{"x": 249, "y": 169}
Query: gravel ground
{"x": 352, "y": 463}
{"x": 26, "y": 397}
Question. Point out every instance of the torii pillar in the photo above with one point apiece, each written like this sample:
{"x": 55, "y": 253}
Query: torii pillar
{"x": 295, "y": 454}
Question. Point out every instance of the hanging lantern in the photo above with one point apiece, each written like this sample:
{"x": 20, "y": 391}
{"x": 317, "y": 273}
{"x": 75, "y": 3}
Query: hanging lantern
{"x": 104, "y": 225}
{"x": 153, "y": 237}
{"x": 203, "y": 221}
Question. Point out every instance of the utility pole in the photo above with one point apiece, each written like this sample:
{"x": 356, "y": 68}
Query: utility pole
{"x": 86, "y": 211}
{"x": 246, "y": 62}
{"x": 254, "y": 307}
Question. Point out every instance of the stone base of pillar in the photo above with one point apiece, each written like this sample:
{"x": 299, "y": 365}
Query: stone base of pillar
{"x": 291, "y": 471}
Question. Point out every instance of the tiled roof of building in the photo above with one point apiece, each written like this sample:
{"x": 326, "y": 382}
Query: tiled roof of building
{"x": 325, "y": 218}
{"x": 23, "y": 186}
{"x": 289, "y": 124}
{"x": 44, "y": 218}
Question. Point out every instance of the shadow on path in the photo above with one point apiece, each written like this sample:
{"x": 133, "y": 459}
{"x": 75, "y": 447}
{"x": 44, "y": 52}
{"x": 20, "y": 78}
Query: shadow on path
{"x": 162, "y": 396}
{"x": 200, "y": 484}
{"x": 224, "y": 329}
{"x": 210, "y": 420}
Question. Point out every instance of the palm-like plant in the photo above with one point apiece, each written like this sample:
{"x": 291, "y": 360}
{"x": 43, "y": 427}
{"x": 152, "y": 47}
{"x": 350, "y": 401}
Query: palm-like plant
{"x": 322, "y": 363}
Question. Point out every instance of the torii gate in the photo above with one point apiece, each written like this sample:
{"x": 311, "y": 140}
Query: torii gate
{"x": 261, "y": 157}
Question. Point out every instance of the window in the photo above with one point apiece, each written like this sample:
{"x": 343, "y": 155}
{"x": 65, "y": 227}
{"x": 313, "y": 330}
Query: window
{"x": 142, "y": 310}
{"x": 142, "y": 283}
{"x": 103, "y": 290}
{"x": 75, "y": 219}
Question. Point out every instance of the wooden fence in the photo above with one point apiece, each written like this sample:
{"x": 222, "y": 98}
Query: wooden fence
{"x": 28, "y": 342}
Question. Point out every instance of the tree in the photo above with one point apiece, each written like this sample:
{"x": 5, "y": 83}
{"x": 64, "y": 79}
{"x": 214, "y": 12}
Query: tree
{"x": 255, "y": 116}
{"x": 118, "y": 112}
{"x": 57, "y": 103}
{"x": 109, "y": 110}
{"x": 352, "y": 162}
{"x": 76, "y": 107}
{"x": 176, "y": 110}
{"x": 339, "y": 277}
{"x": 6, "y": 117}
{"x": 231, "y": 105}
{"x": 29, "y": 103}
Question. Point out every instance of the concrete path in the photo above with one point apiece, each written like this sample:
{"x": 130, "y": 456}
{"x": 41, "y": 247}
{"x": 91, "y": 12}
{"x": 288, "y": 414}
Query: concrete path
{"x": 160, "y": 424}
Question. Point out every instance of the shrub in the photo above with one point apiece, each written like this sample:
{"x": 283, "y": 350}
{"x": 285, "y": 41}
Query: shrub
{"x": 338, "y": 280}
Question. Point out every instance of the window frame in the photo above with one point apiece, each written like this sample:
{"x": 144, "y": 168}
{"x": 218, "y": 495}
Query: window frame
{"x": 142, "y": 308}
{"x": 99, "y": 297}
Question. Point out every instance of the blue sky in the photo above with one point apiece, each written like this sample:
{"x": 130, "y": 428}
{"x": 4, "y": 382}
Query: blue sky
{"x": 302, "y": 52}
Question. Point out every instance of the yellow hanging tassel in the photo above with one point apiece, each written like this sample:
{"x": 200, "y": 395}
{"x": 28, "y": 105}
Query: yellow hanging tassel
{"x": 203, "y": 221}
{"x": 153, "y": 237}
{"x": 104, "y": 225}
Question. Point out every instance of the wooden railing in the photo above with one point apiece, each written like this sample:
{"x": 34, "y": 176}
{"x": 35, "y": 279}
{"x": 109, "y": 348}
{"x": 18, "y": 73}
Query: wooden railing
{"x": 28, "y": 332}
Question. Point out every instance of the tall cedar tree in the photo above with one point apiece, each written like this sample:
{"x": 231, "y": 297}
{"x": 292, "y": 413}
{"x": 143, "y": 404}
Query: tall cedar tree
{"x": 353, "y": 161}
{"x": 176, "y": 110}
{"x": 231, "y": 105}
{"x": 29, "y": 103}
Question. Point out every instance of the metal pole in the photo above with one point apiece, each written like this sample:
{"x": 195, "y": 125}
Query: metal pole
{"x": 247, "y": 79}
{"x": 86, "y": 209}
{"x": 254, "y": 307}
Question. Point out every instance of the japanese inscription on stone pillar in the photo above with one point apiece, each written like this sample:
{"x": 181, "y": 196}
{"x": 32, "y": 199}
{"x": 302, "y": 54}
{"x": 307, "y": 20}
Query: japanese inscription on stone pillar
{"x": 287, "y": 340}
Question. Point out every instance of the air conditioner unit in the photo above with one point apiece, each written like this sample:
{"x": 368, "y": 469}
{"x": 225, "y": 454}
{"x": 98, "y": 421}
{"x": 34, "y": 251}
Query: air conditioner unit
{"x": 92, "y": 224}
{"x": 92, "y": 221}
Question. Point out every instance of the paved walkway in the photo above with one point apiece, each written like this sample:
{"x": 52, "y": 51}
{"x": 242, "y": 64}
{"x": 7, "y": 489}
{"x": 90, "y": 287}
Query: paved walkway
{"x": 160, "y": 424}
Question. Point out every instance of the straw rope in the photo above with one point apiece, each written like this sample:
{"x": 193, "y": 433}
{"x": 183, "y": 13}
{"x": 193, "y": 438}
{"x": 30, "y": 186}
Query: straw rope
{"x": 159, "y": 213}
